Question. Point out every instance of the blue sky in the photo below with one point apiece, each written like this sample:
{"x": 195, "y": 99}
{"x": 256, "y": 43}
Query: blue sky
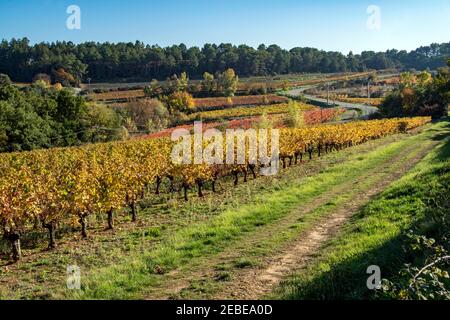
{"x": 338, "y": 25}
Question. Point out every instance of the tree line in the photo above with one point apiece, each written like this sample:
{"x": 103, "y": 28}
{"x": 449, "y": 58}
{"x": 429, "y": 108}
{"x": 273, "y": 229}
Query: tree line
{"x": 92, "y": 61}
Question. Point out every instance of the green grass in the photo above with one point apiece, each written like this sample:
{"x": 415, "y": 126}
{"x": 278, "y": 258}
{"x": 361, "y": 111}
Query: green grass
{"x": 273, "y": 240}
{"x": 245, "y": 263}
{"x": 375, "y": 235}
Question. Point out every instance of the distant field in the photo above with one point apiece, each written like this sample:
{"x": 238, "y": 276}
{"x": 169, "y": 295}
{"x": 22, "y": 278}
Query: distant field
{"x": 244, "y": 85}
{"x": 376, "y": 102}
{"x": 312, "y": 117}
{"x": 371, "y": 102}
{"x": 232, "y": 124}
{"x": 241, "y": 112}
{"x": 113, "y": 85}
{"x": 389, "y": 80}
{"x": 246, "y": 80}
{"x": 206, "y": 103}
{"x": 280, "y": 84}
{"x": 118, "y": 95}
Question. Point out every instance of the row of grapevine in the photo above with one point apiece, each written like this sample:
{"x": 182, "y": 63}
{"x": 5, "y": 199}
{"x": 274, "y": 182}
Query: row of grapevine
{"x": 312, "y": 117}
{"x": 58, "y": 186}
{"x": 215, "y": 103}
{"x": 322, "y": 115}
{"x": 246, "y": 111}
{"x": 376, "y": 102}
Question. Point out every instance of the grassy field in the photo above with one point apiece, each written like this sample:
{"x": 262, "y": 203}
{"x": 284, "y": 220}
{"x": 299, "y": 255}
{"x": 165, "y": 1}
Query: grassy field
{"x": 377, "y": 234}
{"x": 213, "y": 247}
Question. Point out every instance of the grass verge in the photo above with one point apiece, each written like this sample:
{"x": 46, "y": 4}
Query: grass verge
{"x": 377, "y": 234}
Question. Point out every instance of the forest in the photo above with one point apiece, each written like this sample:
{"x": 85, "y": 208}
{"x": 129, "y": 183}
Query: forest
{"x": 93, "y": 61}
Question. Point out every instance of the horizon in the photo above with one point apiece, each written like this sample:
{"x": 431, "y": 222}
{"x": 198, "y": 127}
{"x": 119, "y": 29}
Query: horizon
{"x": 218, "y": 44}
{"x": 322, "y": 24}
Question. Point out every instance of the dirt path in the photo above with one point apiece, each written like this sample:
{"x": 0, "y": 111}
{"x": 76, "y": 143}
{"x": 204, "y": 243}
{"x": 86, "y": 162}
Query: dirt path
{"x": 255, "y": 283}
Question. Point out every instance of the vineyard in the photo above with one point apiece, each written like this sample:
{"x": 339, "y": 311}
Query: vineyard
{"x": 52, "y": 188}
{"x": 218, "y": 102}
{"x": 310, "y": 118}
{"x": 224, "y": 156}
{"x": 118, "y": 95}
{"x": 321, "y": 115}
{"x": 282, "y": 85}
{"x": 376, "y": 102}
{"x": 241, "y": 112}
